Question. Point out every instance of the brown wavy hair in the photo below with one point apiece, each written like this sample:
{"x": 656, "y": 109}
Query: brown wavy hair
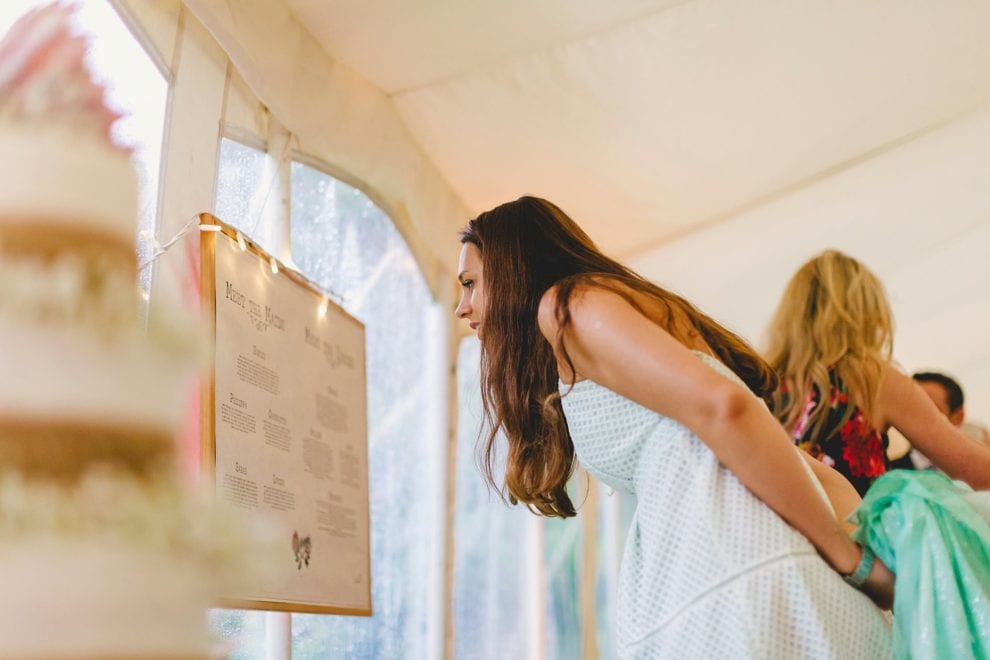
{"x": 833, "y": 317}
{"x": 528, "y": 246}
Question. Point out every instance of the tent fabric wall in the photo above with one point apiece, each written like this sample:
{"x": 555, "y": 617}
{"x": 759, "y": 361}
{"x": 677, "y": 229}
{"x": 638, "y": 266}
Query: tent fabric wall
{"x": 917, "y": 215}
{"x": 655, "y": 123}
{"x": 654, "y": 117}
{"x": 343, "y": 120}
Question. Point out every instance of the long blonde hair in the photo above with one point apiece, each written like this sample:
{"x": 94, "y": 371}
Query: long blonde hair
{"x": 834, "y": 315}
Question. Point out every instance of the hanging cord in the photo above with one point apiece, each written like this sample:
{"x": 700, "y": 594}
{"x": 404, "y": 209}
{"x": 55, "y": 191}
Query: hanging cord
{"x": 158, "y": 249}
{"x": 282, "y": 159}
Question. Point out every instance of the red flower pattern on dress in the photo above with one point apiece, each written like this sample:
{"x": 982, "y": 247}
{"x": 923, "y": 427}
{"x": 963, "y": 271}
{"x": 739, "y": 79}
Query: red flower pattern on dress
{"x": 856, "y": 450}
{"x": 862, "y": 447}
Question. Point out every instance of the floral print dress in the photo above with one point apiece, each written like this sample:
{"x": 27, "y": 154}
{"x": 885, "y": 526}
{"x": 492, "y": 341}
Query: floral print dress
{"x": 846, "y": 442}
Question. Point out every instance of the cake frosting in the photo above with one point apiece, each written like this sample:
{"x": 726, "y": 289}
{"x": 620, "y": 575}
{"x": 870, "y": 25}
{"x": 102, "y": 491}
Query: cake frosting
{"x": 116, "y": 567}
{"x": 96, "y": 186}
{"x": 103, "y": 553}
{"x": 70, "y": 325}
{"x": 55, "y": 133}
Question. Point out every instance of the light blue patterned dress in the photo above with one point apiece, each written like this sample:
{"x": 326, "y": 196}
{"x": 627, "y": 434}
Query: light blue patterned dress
{"x": 710, "y": 571}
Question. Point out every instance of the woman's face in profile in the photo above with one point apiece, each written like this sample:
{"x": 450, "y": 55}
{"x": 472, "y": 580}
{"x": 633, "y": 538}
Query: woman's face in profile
{"x": 472, "y": 304}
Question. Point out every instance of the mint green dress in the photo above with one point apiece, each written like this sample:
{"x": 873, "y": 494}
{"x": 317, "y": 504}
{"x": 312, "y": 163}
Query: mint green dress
{"x": 935, "y": 535}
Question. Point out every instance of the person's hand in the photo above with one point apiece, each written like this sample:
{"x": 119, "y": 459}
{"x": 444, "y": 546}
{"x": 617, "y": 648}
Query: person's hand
{"x": 879, "y": 585}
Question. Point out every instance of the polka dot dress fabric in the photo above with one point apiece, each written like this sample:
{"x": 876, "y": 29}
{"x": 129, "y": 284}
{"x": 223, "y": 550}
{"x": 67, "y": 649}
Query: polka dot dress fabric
{"x": 709, "y": 571}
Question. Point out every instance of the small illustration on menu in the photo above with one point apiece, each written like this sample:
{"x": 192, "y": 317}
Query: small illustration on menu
{"x": 302, "y": 548}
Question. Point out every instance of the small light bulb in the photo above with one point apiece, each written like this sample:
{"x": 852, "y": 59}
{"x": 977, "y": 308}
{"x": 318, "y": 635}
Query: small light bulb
{"x": 210, "y": 228}
{"x": 274, "y": 265}
{"x": 240, "y": 241}
{"x": 322, "y": 311}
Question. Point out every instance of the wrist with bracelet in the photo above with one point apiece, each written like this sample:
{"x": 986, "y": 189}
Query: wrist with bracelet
{"x": 862, "y": 571}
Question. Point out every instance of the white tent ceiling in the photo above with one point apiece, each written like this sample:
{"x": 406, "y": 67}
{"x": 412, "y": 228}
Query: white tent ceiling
{"x": 716, "y": 143}
{"x": 649, "y": 119}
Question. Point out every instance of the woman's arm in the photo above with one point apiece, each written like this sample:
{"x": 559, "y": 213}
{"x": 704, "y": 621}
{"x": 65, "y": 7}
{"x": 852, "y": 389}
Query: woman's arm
{"x": 840, "y": 492}
{"x": 903, "y": 404}
{"x": 614, "y": 345}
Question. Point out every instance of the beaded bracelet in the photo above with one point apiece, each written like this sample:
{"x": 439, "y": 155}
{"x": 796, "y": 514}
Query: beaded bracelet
{"x": 858, "y": 576}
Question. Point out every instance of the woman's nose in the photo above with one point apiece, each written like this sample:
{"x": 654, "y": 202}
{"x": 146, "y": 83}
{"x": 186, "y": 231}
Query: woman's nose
{"x": 463, "y": 309}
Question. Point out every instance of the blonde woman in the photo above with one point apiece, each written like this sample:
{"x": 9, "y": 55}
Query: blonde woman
{"x": 839, "y": 392}
{"x": 830, "y": 343}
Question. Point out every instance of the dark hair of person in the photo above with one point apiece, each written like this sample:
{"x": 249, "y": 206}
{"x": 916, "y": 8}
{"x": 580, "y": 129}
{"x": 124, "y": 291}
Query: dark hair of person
{"x": 952, "y": 389}
{"x": 528, "y": 246}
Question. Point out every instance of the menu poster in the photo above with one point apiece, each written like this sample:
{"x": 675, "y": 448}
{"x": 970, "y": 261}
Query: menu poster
{"x": 290, "y": 429}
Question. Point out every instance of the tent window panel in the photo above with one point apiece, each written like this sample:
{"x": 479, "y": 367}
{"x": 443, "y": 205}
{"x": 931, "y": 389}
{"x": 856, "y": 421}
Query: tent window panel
{"x": 241, "y": 174}
{"x": 496, "y": 589}
{"x": 340, "y": 239}
{"x": 246, "y": 188}
{"x": 348, "y": 246}
{"x": 241, "y": 633}
{"x": 614, "y": 517}
{"x": 562, "y": 563}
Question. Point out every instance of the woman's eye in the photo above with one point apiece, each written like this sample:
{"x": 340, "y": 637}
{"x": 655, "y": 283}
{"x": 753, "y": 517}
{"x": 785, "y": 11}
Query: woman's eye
{"x": 468, "y": 284}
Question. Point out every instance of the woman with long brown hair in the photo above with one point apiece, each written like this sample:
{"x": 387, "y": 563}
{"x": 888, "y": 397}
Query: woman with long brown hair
{"x": 831, "y": 343}
{"x": 734, "y": 550}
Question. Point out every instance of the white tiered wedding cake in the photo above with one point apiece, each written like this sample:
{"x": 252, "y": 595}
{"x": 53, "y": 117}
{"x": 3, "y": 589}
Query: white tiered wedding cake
{"x": 102, "y": 554}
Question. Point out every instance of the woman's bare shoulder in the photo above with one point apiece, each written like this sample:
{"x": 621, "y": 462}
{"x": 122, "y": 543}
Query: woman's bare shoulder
{"x": 894, "y": 385}
{"x": 900, "y": 400}
{"x": 590, "y": 298}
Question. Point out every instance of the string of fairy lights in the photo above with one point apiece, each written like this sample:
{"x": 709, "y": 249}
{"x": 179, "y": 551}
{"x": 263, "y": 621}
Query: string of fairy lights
{"x": 157, "y": 249}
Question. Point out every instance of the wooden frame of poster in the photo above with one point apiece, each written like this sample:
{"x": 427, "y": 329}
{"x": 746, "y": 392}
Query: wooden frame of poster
{"x": 318, "y": 468}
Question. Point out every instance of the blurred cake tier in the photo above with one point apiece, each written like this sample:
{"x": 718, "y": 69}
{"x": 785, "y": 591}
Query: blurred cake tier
{"x": 70, "y": 398}
{"x": 114, "y": 567}
{"x": 83, "y": 382}
{"x": 105, "y": 602}
{"x": 65, "y": 191}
